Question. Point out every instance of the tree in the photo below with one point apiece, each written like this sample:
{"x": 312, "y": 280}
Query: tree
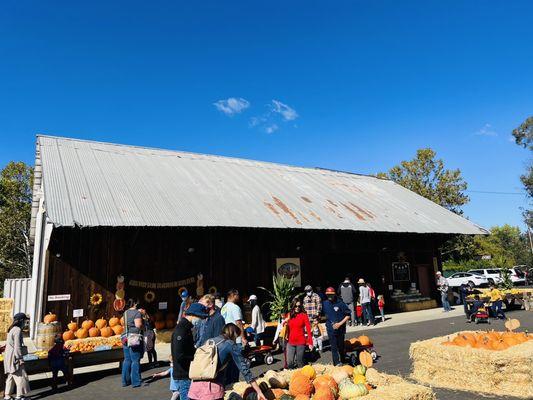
{"x": 16, "y": 181}
{"x": 427, "y": 176}
{"x": 524, "y": 137}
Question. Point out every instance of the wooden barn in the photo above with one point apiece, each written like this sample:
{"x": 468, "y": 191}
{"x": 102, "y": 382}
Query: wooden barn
{"x": 168, "y": 220}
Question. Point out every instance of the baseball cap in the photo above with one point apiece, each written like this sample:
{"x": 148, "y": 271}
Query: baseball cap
{"x": 252, "y": 297}
{"x": 308, "y": 288}
{"x": 20, "y": 316}
{"x": 330, "y": 290}
{"x": 197, "y": 310}
{"x": 184, "y": 294}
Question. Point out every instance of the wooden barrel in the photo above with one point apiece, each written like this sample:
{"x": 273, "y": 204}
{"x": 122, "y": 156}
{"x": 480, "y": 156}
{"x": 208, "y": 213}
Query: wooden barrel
{"x": 46, "y": 333}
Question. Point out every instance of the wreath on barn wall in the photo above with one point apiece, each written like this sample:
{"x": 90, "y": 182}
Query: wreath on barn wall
{"x": 149, "y": 296}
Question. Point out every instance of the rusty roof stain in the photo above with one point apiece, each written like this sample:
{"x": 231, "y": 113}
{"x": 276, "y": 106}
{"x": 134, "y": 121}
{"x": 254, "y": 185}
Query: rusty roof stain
{"x": 354, "y": 212}
{"x": 363, "y": 211}
{"x": 286, "y": 209}
{"x": 271, "y": 207}
{"x": 306, "y": 199}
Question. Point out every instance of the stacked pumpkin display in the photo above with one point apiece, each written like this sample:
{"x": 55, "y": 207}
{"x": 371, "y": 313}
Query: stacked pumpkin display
{"x": 490, "y": 340}
{"x": 315, "y": 382}
{"x": 93, "y": 329}
{"x": 354, "y": 343}
{"x": 162, "y": 321}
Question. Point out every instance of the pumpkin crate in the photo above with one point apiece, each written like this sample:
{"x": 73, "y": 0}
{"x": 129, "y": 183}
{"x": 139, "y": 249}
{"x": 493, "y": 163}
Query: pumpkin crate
{"x": 326, "y": 382}
{"x": 491, "y": 362}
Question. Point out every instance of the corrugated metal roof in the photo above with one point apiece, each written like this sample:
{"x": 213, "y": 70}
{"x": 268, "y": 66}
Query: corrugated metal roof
{"x": 102, "y": 184}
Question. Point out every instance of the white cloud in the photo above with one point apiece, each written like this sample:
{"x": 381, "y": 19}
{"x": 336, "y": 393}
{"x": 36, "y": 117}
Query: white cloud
{"x": 232, "y": 105}
{"x": 486, "y": 130}
{"x": 288, "y": 113}
{"x": 271, "y": 128}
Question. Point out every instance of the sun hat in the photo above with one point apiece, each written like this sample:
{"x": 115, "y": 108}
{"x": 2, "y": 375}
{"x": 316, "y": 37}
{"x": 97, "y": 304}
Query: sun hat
{"x": 361, "y": 280}
{"x": 330, "y": 290}
{"x": 252, "y": 297}
{"x": 197, "y": 310}
{"x": 308, "y": 288}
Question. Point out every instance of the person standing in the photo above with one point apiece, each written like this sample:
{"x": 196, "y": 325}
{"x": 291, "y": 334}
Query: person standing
{"x": 442, "y": 287}
{"x": 300, "y": 335}
{"x": 17, "y": 379}
{"x": 149, "y": 338}
{"x": 337, "y": 314}
{"x": 463, "y": 293}
{"x": 348, "y": 294}
{"x": 133, "y": 349}
{"x": 365, "y": 299}
{"x": 232, "y": 314}
{"x": 182, "y": 347}
{"x": 185, "y": 303}
{"x": 381, "y": 307}
{"x": 496, "y": 299}
{"x": 213, "y": 324}
{"x": 258, "y": 323}
{"x": 312, "y": 303}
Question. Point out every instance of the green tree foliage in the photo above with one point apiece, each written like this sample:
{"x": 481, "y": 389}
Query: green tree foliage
{"x": 427, "y": 176}
{"x": 524, "y": 137}
{"x": 16, "y": 181}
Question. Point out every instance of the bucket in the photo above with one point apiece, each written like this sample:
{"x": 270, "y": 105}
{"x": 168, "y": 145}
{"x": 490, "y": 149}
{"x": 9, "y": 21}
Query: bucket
{"x": 46, "y": 334}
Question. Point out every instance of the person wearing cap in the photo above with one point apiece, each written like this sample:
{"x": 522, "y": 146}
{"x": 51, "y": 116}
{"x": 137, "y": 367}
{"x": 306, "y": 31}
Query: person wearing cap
{"x": 210, "y": 327}
{"x": 365, "y": 299}
{"x": 17, "y": 379}
{"x": 184, "y": 302}
{"x": 442, "y": 287}
{"x": 182, "y": 346}
{"x": 348, "y": 293}
{"x": 337, "y": 314}
{"x": 258, "y": 322}
{"x": 312, "y": 303}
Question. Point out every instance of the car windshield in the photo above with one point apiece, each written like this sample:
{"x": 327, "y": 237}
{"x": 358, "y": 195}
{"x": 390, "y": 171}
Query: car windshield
{"x": 519, "y": 272}
{"x": 494, "y": 271}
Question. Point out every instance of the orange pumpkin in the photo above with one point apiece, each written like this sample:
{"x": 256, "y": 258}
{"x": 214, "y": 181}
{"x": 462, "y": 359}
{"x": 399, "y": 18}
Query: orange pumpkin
{"x": 49, "y": 318}
{"x": 510, "y": 341}
{"x": 114, "y": 321}
{"x": 118, "y": 329}
{"x": 87, "y": 324}
{"x": 106, "y": 331}
{"x": 459, "y": 340}
{"x": 348, "y": 369}
{"x": 300, "y": 384}
{"x": 94, "y": 332}
{"x": 324, "y": 393}
{"x": 364, "y": 340}
{"x": 521, "y": 337}
{"x": 301, "y": 397}
{"x": 366, "y": 359}
{"x": 101, "y": 323}
{"x": 159, "y": 325}
{"x": 499, "y": 345}
{"x": 72, "y": 326}
{"x": 326, "y": 381}
{"x": 170, "y": 323}
{"x": 122, "y": 321}
{"x": 82, "y": 333}
{"x": 68, "y": 335}
{"x": 278, "y": 393}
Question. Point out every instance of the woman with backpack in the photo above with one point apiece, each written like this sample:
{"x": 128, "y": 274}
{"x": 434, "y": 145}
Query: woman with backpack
{"x": 226, "y": 349}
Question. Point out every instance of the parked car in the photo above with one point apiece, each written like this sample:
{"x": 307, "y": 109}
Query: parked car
{"x": 518, "y": 276}
{"x": 457, "y": 279}
{"x": 493, "y": 275}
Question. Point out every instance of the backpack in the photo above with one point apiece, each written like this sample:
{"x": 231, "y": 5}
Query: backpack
{"x": 204, "y": 366}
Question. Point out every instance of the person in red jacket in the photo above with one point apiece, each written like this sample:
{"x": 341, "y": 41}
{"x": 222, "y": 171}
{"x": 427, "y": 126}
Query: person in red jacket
{"x": 299, "y": 335}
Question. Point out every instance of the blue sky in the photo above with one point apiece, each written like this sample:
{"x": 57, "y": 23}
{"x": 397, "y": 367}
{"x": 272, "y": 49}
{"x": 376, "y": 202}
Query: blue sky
{"x": 348, "y": 85}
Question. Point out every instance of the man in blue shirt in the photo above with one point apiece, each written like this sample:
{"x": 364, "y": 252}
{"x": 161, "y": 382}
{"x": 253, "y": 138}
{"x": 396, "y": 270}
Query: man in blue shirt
{"x": 337, "y": 314}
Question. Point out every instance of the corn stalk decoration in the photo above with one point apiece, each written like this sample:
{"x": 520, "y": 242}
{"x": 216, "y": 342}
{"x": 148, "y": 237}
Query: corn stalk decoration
{"x": 281, "y": 296}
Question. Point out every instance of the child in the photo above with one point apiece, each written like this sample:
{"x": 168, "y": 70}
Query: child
{"x": 318, "y": 334}
{"x": 173, "y": 383}
{"x": 57, "y": 356}
{"x": 476, "y": 306}
{"x": 359, "y": 313}
{"x": 381, "y": 306}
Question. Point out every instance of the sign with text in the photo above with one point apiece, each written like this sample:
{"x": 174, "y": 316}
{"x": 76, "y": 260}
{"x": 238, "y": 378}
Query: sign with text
{"x": 290, "y": 268}
{"x": 77, "y": 313}
{"x": 401, "y": 271}
{"x": 59, "y": 297}
{"x": 163, "y": 305}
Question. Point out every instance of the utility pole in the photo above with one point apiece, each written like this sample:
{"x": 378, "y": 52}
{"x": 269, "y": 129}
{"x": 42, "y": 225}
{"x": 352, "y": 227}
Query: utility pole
{"x": 530, "y": 241}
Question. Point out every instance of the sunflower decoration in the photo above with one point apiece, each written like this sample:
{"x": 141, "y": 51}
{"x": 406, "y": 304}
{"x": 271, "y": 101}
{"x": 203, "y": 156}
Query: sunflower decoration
{"x": 96, "y": 299}
{"x": 149, "y": 296}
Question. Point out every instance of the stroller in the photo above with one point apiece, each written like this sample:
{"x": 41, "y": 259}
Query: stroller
{"x": 481, "y": 315}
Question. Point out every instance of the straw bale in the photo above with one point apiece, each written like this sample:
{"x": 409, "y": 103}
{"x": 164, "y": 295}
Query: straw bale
{"x": 507, "y": 373}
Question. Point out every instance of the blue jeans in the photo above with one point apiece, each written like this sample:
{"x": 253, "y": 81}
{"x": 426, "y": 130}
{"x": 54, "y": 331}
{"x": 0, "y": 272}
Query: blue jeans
{"x": 497, "y": 309}
{"x": 367, "y": 312}
{"x": 445, "y": 302}
{"x": 183, "y": 388}
{"x": 131, "y": 366}
{"x": 336, "y": 341}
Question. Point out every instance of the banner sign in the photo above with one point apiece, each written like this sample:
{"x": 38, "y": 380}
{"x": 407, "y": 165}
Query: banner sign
{"x": 59, "y": 297}
{"x": 162, "y": 285}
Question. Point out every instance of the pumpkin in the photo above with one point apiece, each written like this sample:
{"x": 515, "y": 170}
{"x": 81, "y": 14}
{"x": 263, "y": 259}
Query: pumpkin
{"x": 512, "y": 324}
{"x": 68, "y": 335}
{"x": 499, "y": 345}
{"x": 159, "y": 325}
{"x": 170, "y": 323}
{"x": 72, "y": 326}
{"x": 363, "y": 390}
{"x": 94, "y": 332}
{"x": 49, "y": 318}
{"x": 366, "y": 359}
{"x": 106, "y": 331}
{"x": 101, "y": 323}
{"x": 348, "y": 369}
{"x": 118, "y": 329}
{"x": 324, "y": 394}
{"x": 120, "y": 294}
{"x": 460, "y": 340}
{"x": 359, "y": 379}
{"x": 339, "y": 375}
{"x": 359, "y": 369}
{"x": 277, "y": 392}
{"x": 348, "y": 390}
{"x": 275, "y": 380}
{"x": 309, "y": 372}
{"x": 364, "y": 340}
{"x": 300, "y": 384}
{"x": 119, "y": 304}
{"x": 301, "y": 397}
{"x": 114, "y": 322}
{"x": 510, "y": 341}
{"x": 87, "y": 324}
{"x": 326, "y": 381}
{"x": 82, "y": 333}
{"x": 521, "y": 337}
{"x": 286, "y": 396}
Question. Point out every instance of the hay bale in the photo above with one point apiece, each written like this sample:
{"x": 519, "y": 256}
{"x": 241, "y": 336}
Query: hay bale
{"x": 506, "y": 373}
{"x": 393, "y": 387}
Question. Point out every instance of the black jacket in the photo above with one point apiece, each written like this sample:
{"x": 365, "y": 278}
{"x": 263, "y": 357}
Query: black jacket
{"x": 182, "y": 348}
